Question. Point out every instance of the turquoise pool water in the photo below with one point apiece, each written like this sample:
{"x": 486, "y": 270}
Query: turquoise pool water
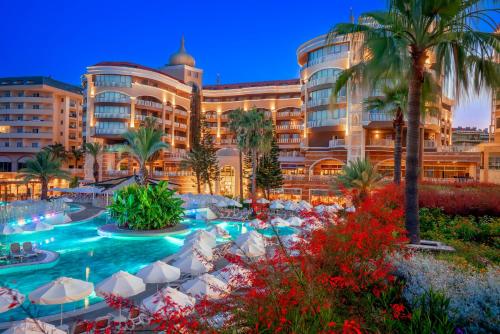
{"x": 74, "y": 207}
{"x": 87, "y": 256}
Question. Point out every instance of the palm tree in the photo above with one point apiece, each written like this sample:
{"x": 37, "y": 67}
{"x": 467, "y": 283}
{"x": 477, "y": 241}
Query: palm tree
{"x": 77, "y": 153}
{"x": 44, "y": 167}
{"x": 361, "y": 175}
{"x": 427, "y": 36}
{"x": 95, "y": 150}
{"x": 195, "y": 161}
{"x": 142, "y": 144}
{"x": 254, "y": 134}
{"x": 57, "y": 150}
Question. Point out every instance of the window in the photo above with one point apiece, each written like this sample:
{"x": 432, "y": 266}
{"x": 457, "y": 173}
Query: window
{"x": 35, "y": 130}
{"x": 105, "y": 80}
{"x": 36, "y": 118}
{"x": 326, "y": 73}
{"x": 34, "y": 145}
{"x": 36, "y": 106}
{"x": 20, "y": 106}
{"x": 36, "y": 94}
{"x": 19, "y": 118}
{"x": 6, "y": 94}
{"x": 317, "y": 56}
{"x": 20, "y": 94}
{"x": 112, "y": 97}
{"x": 19, "y": 144}
{"x": 6, "y": 144}
{"x": 5, "y": 166}
{"x": 19, "y": 130}
{"x": 112, "y": 111}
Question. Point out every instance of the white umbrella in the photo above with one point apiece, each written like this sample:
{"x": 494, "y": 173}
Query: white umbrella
{"x": 8, "y": 229}
{"x": 252, "y": 236}
{"x": 159, "y": 272}
{"x": 67, "y": 200}
{"x": 320, "y": 208}
{"x": 295, "y": 221}
{"x": 192, "y": 264}
{"x": 237, "y": 204}
{"x": 207, "y": 238}
{"x": 37, "y": 227}
{"x": 198, "y": 248}
{"x": 276, "y": 206}
{"x": 248, "y": 201}
{"x": 222, "y": 204}
{"x": 167, "y": 300}
{"x": 218, "y": 231}
{"x": 291, "y": 206}
{"x": 9, "y": 299}
{"x": 249, "y": 248}
{"x": 278, "y": 221}
{"x": 234, "y": 275}
{"x": 61, "y": 291}
{"x": 121, "y": 284}
{"x": 257, "y": 223}
{"x": 206, "y": 285}
{"x": 305, "y": 205}
{"x": 32, "y": 326}
{"x": 262, "y": 201}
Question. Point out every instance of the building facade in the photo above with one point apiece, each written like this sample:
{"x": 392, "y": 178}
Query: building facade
{"x": 469, "y": 137}
{"x": 317, "y": 135}
{"x": 35, "y": 112}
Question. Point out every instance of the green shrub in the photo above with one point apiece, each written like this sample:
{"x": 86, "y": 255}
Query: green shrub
{"x": 147, "y": 207}
{"x": 430, "y": 315}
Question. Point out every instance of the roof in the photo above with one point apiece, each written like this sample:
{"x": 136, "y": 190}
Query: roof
{"x": 133, "y": 65}
{"x": 40, "y": 80}
{"x": 254, "y": 84}
{"x": 120, "y": 182}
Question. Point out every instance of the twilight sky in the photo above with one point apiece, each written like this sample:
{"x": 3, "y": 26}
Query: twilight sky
{"x": 240, "y": 40}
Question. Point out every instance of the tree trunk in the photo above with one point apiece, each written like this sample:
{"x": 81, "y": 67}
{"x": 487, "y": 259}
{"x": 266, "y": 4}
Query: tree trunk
{"x": 412, "y": 147}
{"x": 96, "y": 170}
{"x": 143, "y": 174}
{"x": 45, "y": 189}
{"x": 210, "y": 187}
{"x": 398, "y": 125}
{"x": 241, "y": 174}
{"x": 254, "y": 176}
{"x": 198, "y": 185}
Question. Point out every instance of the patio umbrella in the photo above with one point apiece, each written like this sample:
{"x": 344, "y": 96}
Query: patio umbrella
{"x": 201, "y": 235}
{"x": 234, "y": 275}
{"x": 320, "y": 208}
{"x": 262, "y": 201}
{"x": 159, "y": 272}
{"x": 9, "y": 299}
{"x": 67, "y": 200}
{"x": 248, "y": 201}
{"x": 191, "y": 264}
{"x": 305, "y": 205}
{"x": 252, "y": 235}
{"x": 249, "y": 248}
{"x": 121, "y": 284}
{"x": 37, "y": 226}
{"x": 218, "y": 231}
{"x": 278, "y": 221}
{"x": 291, "y": 206}
{"x": 32, "y": 326}
{"x": 61, "y": 291}
{"x": 169, "y": 299}
{"x": 256, "y": 223}
{"x": 276, "y": 206}
{"x": 222, "y": 204}
{"x": 237, "y": 204}
{"x": 8, "y": 229}
{"x": 295, "y": 221}
{"x": 206, "y": 285}
{"x": 198, "y": 248}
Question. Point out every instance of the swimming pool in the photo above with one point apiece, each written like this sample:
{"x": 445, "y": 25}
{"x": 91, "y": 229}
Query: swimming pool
{"x": 87, "y": 256}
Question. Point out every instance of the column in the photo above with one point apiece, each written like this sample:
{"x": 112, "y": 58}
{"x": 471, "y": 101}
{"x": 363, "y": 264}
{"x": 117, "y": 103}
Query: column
{"x": 172, "y": 127}
{"x": 132, "y": 112}
{"x": 219, "y": 114}
{"x": 306, "y": 99}
{"x": 188, "y": 129}
{"x": 163, "y": 114}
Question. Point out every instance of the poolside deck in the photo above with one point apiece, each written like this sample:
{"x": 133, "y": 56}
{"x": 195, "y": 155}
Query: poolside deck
{"x": 88, "y": 212}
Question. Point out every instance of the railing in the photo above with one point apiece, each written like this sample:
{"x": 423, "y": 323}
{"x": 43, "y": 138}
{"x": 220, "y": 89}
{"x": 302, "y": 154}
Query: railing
{"x": 111, "y": 115}
{"x": 321, "y": 81}
{"x": 26, "y": 122}
{"x": 429, "y": 144}
{"x": 181, "y": 112}
{"x": 100, "y": 98}
{"x": 382, "y": 142}
{"x": 146, "y": 103}
{"x": 283, "y": 114}
{"x": 460, "y": 148}
{"x": 375, "y": 116}
{"x": 320, "y": 177}
{"x": 109, "y": 131}
{"x": 326, "y": 58}
{"x": 289, "y": 140}
{"x": 180, "y": 125}
{"x": 228, "y": 141}
{"x": 144, "y": 117}
{"x": 180, "y": 138}
{"x": 290, "y": 127}
{"x": 294, "y": 177}
{"x": 326, "y": 122}
{"x": 115, "y": 172}
{"x": 336, "y": 143}
{"x": 319, "y": 102}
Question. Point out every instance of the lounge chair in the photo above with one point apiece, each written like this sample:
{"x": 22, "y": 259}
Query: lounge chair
{"x": 15, "y": 251}
{"x": 79, "y": 327}
{"x": 136, "y": 318}
{"x": 28, "y": 250}
{"x": 102, "y": 323}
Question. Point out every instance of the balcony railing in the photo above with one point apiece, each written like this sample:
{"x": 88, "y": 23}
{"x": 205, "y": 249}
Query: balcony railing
{"x": 228, "y": 141}
{"x": 382, "y": 142}
{"x": 429, "y": 144}
{"x": 181, "y": 112}
{"x": 26, "y": 122}
{"x": 380, "y": 117}
{"x": 326, "y": 58}
{"x": 100, "y": 98}
{"x": 180, "y": 138}
{"x": 321, "y": 81}
{"x": 286, "y": 114}
{"x": 146, "y": 103}
{"x": 289, "y": 140}
{"x": 336, "y": 143}
{"x": 180, "y": 125}
{"x": 28, "y": 135}
{"x": 294, "y": 177}
{"x": 111, "y": 115}
{"x": 109, "y": 131}
{"x": 326, "y": 122}
{"x": 290, "y": 127}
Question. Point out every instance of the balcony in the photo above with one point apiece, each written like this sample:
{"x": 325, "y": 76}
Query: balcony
{"x": 430, "y": 144}
{"x": 24, "y": 149}
{"x": 101, "y": 98}
{"x": 26, "y": 123}
{"x": 180, "y": 125}
{"x": 151, "y": 104}
{"x": 290, "y": 127}
{"x": 326, "y": 58}
{"x": 294, "y": 177}
{"x": 179, "y": 112}
{"x": 109, "y": 131}
{"x": 26, "y": 135}
{"x": 212, "y": 118}
{"x": 34, "y": 99}
{"x": 326, "y": 122}
{"x": 289, "y": 140}
{"x": 143, "y": 118}
{"x": 334, "y": 143}
{"x": 289, "y": 114}
{"x": 318, "y": 102}
{"x": 321, "y": 81}
{"x": 291, "y": 157}
{"x": 226, "y": 141}
{"x": 322, "y": 178}
{"x": 26, "y": 111}
{"x": 111, "y": 115}
{"x": 180, "y": 138}
{"x": 382, "y": 142}
{"x": 380, "y": 117}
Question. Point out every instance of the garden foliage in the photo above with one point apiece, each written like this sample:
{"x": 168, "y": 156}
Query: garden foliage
{"x": 146, "y": 207}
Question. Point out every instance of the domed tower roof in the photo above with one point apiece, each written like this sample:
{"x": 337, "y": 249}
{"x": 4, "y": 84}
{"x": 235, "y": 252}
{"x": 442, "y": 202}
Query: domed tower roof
{"x": 181, "y": 57}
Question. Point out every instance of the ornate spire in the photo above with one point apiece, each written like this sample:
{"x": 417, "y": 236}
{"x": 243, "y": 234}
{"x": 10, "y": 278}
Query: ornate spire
{"x": 181, "y": 57}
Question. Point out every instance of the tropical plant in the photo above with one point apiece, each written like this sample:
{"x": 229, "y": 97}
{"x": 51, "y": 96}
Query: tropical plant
{"x": 44, "y": 167}
{"x": 422, "y": 36}
{"x": 77, "y": 154}
{"x": 269, "y": 174}
{"x": 359, "y": 175}
{"x": 57, "y": 150}
{"x": 254, "y": 133}
{"x": 211, "y": 173}
{"x": 147, "y": 207}
{"x": 195, "y": 162}
{"x": 142, "y": 144}
{"x": 74, "y": 181}
{"x": 95, "y": 150}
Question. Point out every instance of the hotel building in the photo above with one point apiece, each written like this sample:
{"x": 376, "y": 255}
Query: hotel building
{"x": 35, "y": 112}
{"x": 316, "y": 137}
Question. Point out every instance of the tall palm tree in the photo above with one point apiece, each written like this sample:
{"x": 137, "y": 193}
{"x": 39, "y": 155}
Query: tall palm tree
{"x": 44, "y": 167}
{"x": 77, "y": 154}
{"x": 95, "y": 150}
{"x": 434, "y": 36}
{"x": 254, "y": 134}
{"x": 57, "y": 150}
{"x": 142, "y": 144}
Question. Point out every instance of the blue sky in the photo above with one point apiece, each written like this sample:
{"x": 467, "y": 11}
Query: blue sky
{"x": 240, "y": 40}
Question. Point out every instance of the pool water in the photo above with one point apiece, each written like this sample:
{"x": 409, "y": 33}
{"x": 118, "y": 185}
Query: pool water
{"x": 87, "y": 256}
{"x": 74, "y": 207}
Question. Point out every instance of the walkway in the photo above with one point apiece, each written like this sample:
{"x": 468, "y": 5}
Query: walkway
{"x": 88, "y": 212}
